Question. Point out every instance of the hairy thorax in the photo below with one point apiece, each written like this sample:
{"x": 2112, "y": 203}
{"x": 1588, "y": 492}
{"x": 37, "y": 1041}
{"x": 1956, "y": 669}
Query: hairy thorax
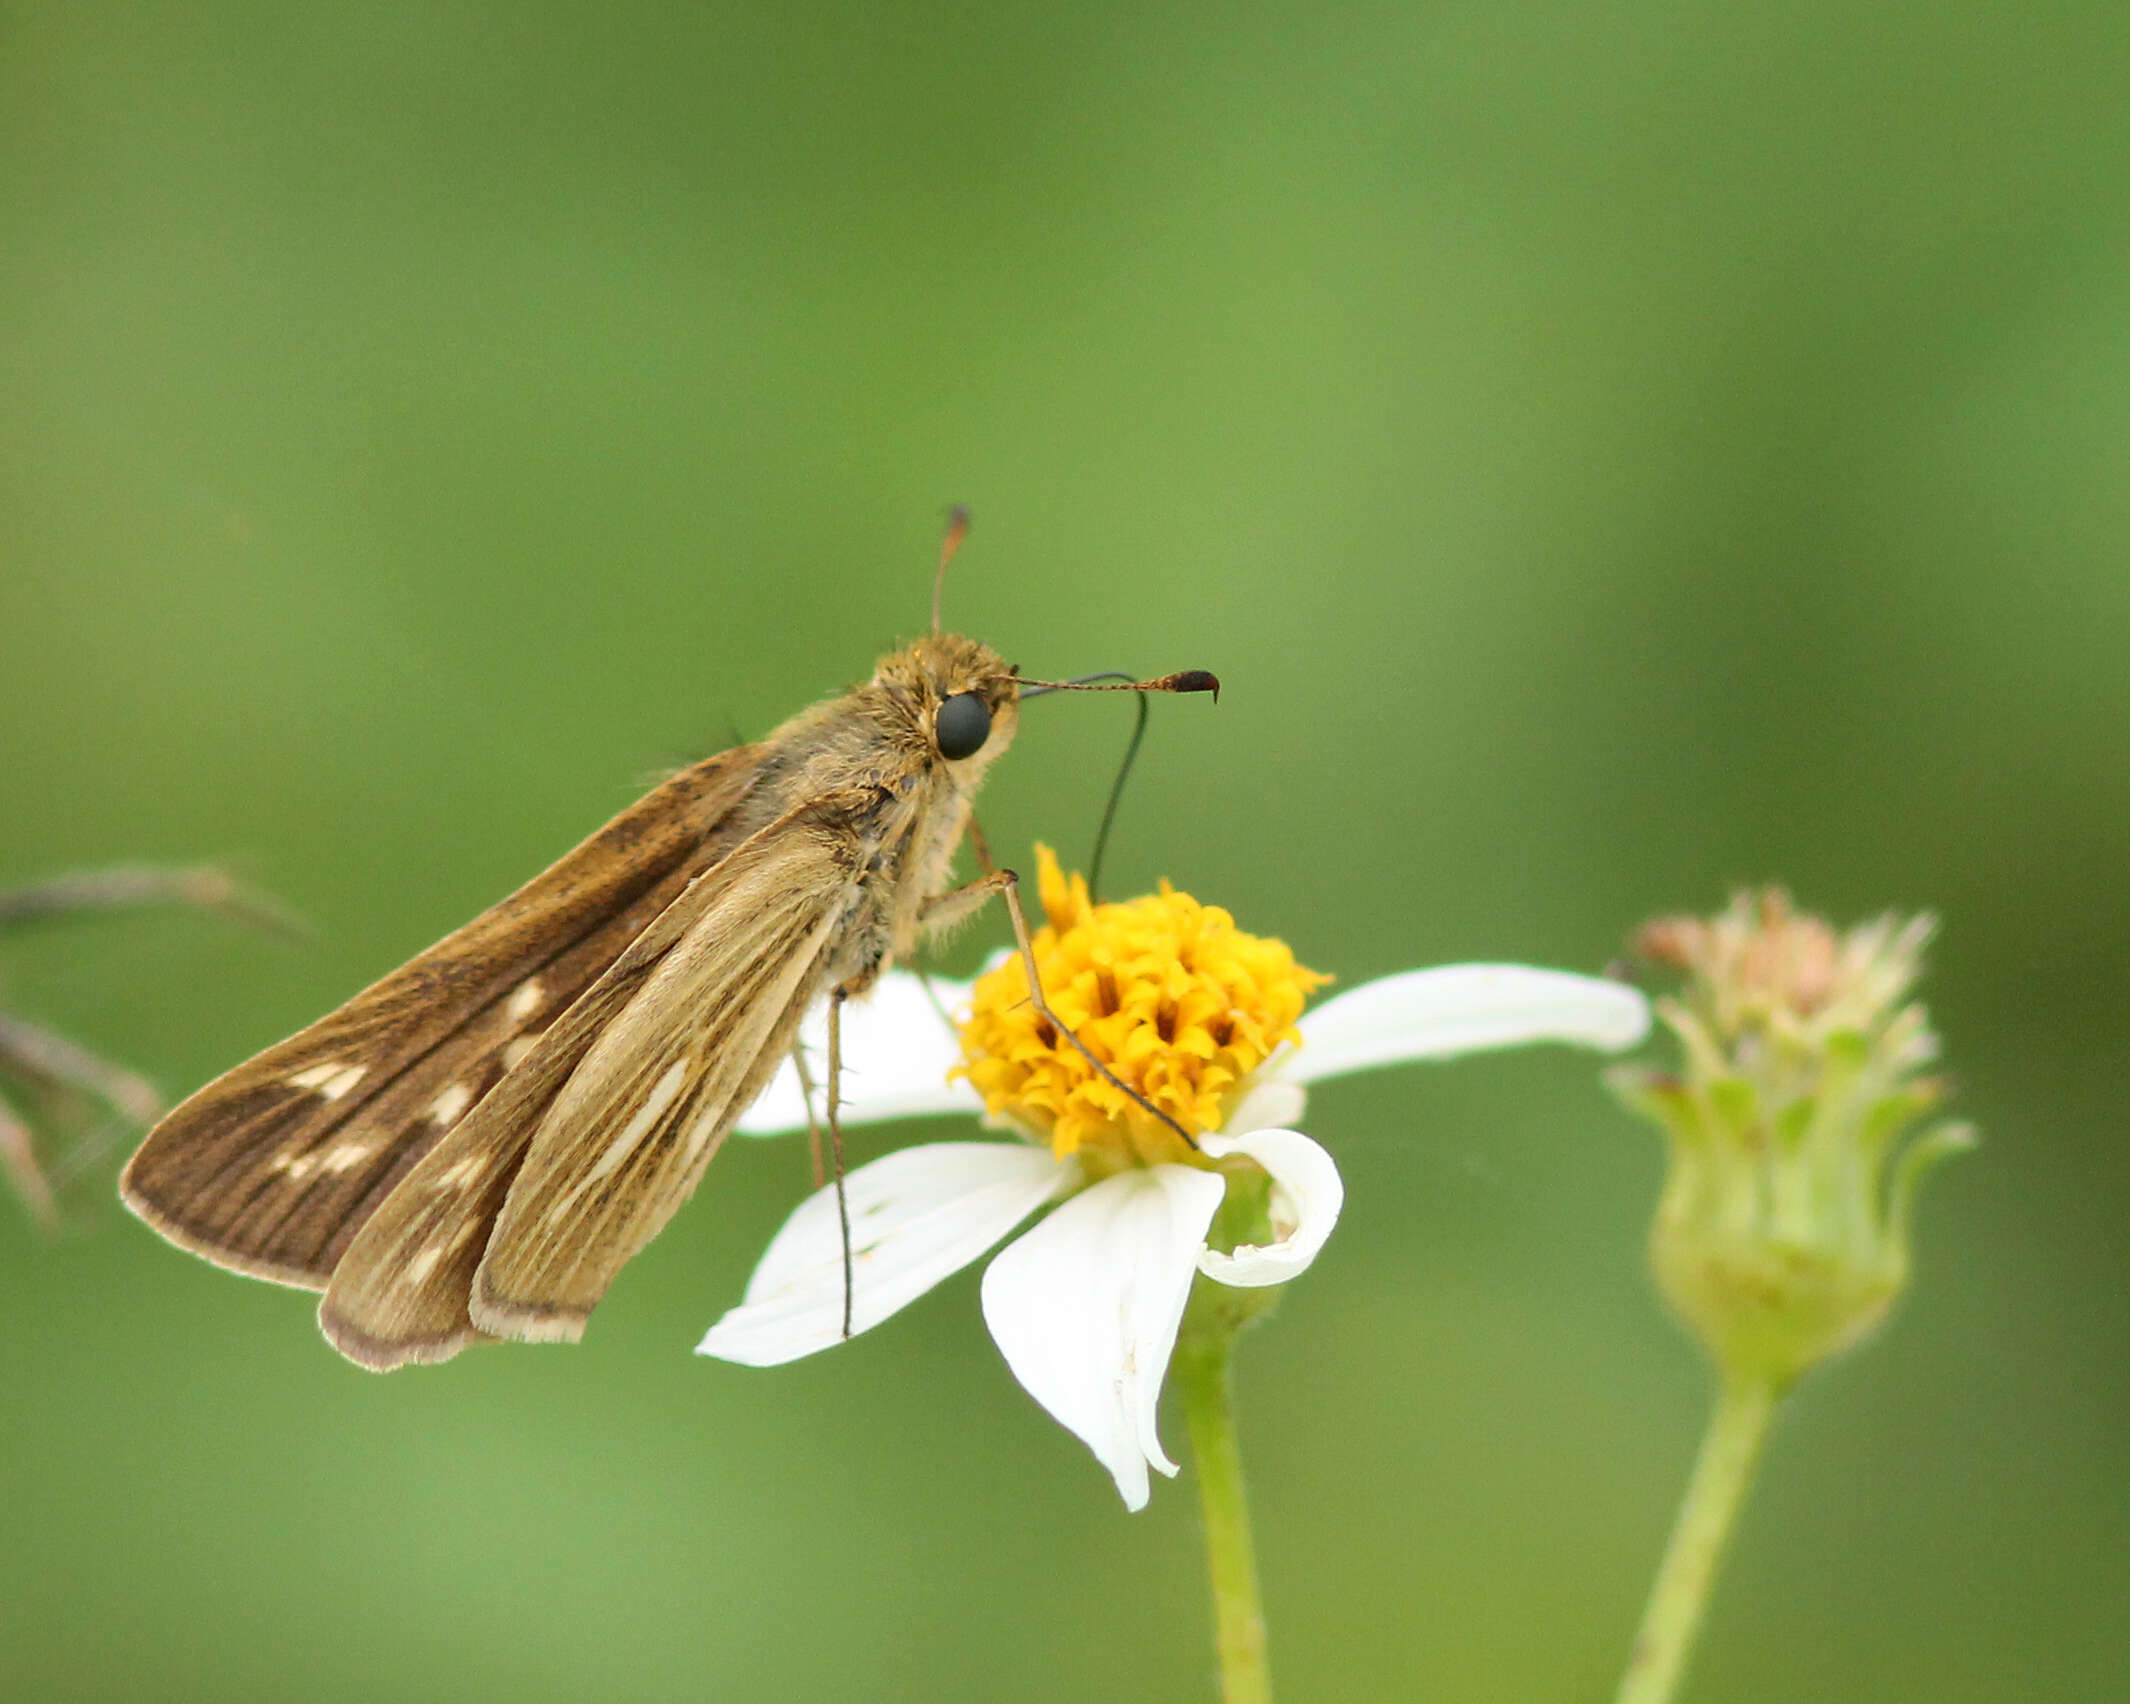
{"x": 869, "y": 763}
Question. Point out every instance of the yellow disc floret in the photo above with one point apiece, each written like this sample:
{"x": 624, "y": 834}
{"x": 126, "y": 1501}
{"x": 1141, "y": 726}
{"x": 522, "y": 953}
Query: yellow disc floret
{"x": 1175, "y": 1000}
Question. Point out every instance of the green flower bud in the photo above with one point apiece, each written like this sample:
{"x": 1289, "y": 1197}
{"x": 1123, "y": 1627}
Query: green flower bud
{"x": 1782, "y": 1235}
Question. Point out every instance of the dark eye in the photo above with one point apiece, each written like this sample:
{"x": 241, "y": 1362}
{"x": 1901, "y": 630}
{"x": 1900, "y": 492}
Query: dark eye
{"x": 962, "y": 725}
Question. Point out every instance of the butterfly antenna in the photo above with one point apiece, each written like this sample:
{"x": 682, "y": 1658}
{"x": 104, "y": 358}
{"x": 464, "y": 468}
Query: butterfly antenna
{"x": 1183, "y": 680}
{"x": 957, "y": 530}
{"x": 1110, "y": 680}
{"x": 1116, "y": 787}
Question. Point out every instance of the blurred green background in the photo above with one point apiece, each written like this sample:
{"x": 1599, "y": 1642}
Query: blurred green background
{"x": 1608, "y": 452}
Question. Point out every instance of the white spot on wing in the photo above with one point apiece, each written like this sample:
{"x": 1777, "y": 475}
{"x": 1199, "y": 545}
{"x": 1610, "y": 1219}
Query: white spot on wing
{"x": 332, "y": 1079}
{"x": 705, "y": 1125}
{"x": 422, "y": 1265}
{"x": 655, "y": 1104}
{"x": 447, "y": 1107}
{"x": 346, "y": 1157}
{"x": 525, "y": 1000}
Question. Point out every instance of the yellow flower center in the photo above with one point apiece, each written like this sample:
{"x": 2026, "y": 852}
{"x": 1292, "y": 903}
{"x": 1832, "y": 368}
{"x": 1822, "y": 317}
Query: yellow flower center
{"x": 1176, "y": 1001}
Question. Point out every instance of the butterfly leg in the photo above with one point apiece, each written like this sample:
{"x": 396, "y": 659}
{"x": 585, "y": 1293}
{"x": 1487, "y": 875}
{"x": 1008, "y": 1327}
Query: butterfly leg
{"x": 980, "y": 847}
{"x": 813, "y": 1124}
{"x": 836, "y": 997}
{"x": 944, "y": 910}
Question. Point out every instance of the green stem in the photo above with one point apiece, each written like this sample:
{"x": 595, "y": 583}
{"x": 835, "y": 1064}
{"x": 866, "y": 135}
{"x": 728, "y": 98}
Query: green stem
{"x": 1202, "y": 1369}
{"x": 1722, "y": 1473}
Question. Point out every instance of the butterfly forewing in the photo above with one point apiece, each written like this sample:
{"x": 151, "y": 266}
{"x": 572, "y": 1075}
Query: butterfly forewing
{"x": 272, "y": 1167}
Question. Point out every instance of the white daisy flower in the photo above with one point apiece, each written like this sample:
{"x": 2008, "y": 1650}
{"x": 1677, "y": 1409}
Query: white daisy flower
{"x": 1202, "y": 1020}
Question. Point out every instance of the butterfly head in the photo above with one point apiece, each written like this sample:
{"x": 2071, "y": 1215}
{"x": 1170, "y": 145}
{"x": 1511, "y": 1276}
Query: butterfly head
{"x": 962, "y": 695}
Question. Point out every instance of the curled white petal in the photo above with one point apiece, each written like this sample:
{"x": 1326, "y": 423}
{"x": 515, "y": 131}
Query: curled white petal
{"x": 1085, "y": 1309}
{"x": 1307, "y": 1194}
{"x": 1462, "y": 1008}
{"x": 897, "y": 1051}
{"x": 918, "y": 1216}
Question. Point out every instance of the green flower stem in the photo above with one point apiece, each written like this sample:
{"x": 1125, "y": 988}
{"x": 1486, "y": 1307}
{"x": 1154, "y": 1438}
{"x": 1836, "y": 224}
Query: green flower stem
{"x": 1723, "y": 1471}
{"x": 1202, "y": 1372}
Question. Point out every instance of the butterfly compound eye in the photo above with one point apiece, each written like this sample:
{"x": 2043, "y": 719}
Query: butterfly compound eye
{"x": 962, "y": 725}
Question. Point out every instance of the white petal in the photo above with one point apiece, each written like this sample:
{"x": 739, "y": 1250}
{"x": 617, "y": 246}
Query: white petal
{"x": 1269, "y": 1101}
{"x": 1306, "y": 1197}
{"x": 1085, "y": 1309}
{"x": 897, "y": 1051}
{"x": 1462, "y": 1008}
{"x": 918, "y": 1216}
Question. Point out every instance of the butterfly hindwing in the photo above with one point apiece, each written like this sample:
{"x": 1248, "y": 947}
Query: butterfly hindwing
{"x": 628, "y": 1137}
